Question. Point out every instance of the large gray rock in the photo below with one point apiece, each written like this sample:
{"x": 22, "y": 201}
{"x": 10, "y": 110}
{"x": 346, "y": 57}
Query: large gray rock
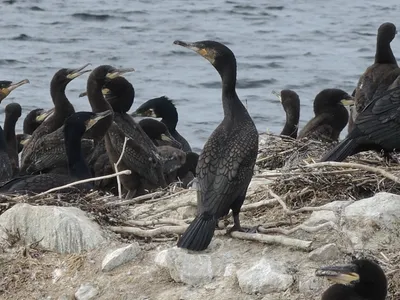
{"x": 86, "y": 292}
{"x": 195, "y": 269}
{"x": 120, "y": 256}
{"x": 325, "y": 253}
{"x": 323, "y": 216}
{"x": 265, "y": 277}
{"x": 59, "y": 229}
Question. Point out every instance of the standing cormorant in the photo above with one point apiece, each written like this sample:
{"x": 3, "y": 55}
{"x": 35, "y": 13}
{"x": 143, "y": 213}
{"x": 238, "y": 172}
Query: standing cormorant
{"x": 330, "y": 116}
{"x": 165, "y": 109}
{"x": 74, "y": 128}
{"x": 291, "y": 104}
{"x": 13, "y": 112}
{"x": 226, "y": 163}
{"x": 363, "y": 279}
{"x": 62, "y": 110}
{"x": 377, "y": 128}
{"x": 6, "y": 87}
{"x": 377, "y": 77}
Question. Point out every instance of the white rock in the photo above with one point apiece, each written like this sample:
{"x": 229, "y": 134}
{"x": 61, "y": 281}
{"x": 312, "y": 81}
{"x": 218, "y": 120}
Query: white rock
{"x": 256, "y": 184}
{"x": 265, "y": 277}
{"x": 383, "y": 208}
{"x": 187, "y": 212}
{"x": 322, "y": 216}
{"x": 190, "y": 268}
{"x": 120, "y": 256}
{"x": 325, "y": 253}
{"x": 311, "y": 285}
{"x": 86, "y": 292}
{"x": 58, "y": 229}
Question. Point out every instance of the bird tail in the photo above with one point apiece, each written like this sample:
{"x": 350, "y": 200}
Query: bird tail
{"x": 198, "y": 235}
{"x": 342, "y": 150}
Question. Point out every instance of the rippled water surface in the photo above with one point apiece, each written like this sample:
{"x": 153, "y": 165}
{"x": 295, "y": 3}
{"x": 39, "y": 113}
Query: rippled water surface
{"x": 302, "y": 45}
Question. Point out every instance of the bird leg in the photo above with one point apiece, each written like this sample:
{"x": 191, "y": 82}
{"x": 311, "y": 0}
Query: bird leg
{"x": 236, "y": 226}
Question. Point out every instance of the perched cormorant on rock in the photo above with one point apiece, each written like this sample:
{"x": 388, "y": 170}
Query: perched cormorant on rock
{"x": 377, "y": 128}
{"x": 330, "y": 116}
{"x": 6, "y": 87}
{"x": 363, "y": 279}
{"x": 62, "y": 110}
{"x": 13, "y": 112}
{"x": 165, "y": 109}
{"x": 291, "y": 104}
{"x": 74, "y": 129}
{"x": 226, "y": 163}
{"x": 377, "y": 77}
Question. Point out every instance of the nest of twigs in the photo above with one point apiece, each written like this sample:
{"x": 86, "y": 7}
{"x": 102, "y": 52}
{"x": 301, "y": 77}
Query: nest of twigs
{"x": 299, "y": 175}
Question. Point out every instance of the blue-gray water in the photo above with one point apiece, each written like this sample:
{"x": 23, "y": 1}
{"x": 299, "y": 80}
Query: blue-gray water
{"x": 303, "y": 45}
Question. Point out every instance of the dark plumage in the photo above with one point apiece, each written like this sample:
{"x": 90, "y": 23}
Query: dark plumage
{"x": 74, "y": 128}
{"x": 330, "y": 116}
{"x": 6, "y": 87}
{"x": 291, "y": 104}
{"x": 13, "y": 112}
{"x": 62, "y": 110}
{"x": 377, "y": 128}
{"x": 165, "y": 109}
{"x": 226, "y": 164}
{"x": 6, "y": 170}
{"x": 377, "y": 77}
{"x": 34, "y": 118}
{"x": 158, "y": 133}
{"x": 363, "y": 279}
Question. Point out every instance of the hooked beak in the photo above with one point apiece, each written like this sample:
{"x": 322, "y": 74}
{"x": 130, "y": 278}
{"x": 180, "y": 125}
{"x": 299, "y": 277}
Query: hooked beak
{"x": 277, "y": 95}
{"x": 192, "y": 46}
{"x": 348, "y": 101}
{"x": 4, "y": 92}
{"x": 97, "y": 117}
{"x": 105, "y": 91}
{"x": 119, "y": 72}
{"x": 78, "y": 72}
{"x": 43, "y": 116}
{"x": 346, "y": 274}
{"x": 25, "y": 140}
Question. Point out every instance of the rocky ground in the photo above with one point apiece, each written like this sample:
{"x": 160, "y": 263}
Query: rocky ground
{"x": 66, "y": 251}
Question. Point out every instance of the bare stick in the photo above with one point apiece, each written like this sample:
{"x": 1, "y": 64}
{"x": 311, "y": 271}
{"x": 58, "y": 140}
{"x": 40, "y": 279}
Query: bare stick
{"x": 259, "y": 204}
{"x": 150, "y": 232}
{"x": 355, "y": 165}
{"x": 125, "y": 172}
{"x": 135, "y": 200}
{"x": 156, "y": 222}
{"x": 299, "y": 227}
{"x": 171, "y": 195}
{"x": 116, "y": 167}
{"x": 271, "y": 239}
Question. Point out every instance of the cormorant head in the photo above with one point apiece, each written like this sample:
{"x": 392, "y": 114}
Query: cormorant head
{"x": 155, "y": 129}
{"x": 64, "y": 76}
{"x": 83, "y": 121}
{"x": 159, "y": 107}
{"x": 104, "y": 73}
{"x": 13, "y": 110}
{"x": 216, "y": 53}
{"x": 386, "y": 32}
{"x": 365, "y": 276}
{"x": 6, "y": 87}
{"x": 120, "y": 93}
{"x": 34, "y": 118}
{"x": 331, "y": 98}
{"x": 290, "y": 101}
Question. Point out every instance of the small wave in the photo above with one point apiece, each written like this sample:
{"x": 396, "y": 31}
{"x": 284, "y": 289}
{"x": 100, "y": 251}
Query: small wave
{"x": 4, "y": 62}
{"x": 37, "y": 8}
{"x": 248, "y": 7}
{"x": 364, "y": 33}
{"x": 96, "y": 17}
{"x": 275, "y": 7}
{"x": 22, "y": 37}
{"x": 249, "y": 84}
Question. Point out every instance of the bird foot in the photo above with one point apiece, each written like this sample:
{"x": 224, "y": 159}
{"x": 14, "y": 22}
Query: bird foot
{"x": 242, "y": 229}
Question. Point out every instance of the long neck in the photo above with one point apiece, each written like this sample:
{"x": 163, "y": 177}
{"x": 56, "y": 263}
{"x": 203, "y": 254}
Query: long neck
{"x": 62, "y": 107}
{"x": 3, "y": 144}
{"x": 95, "y": 96}
{"x": 9, "y": 131}
{"x": 230, "y": 101}
{"x": 384, "y": 54}
{"x": 76, "y": 162}
{"x": 291, "y": 125}
{"x": 170, "y": 119}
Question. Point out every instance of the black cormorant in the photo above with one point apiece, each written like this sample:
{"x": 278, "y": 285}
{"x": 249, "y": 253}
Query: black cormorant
{"x": 226, "y": 163}
{"x": 6, "y": 171}
{"x": 291, "y": 104}
{"x": 158, "y": 133}
{"x": 62, "y": 110}
{"x": 165, "y": 109}
{"x": 34, "y": 118}
{"x": 330, "y": 116}
{"x": 6, "y": 87}
{"x": 363, "y": 279}
{"x": 140, "y": 155}
{"x": 73, "y": 129}
{"x": 377, "y": 77}
{"x": 377, "y": 128}
{"x": 13, "y": 112}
